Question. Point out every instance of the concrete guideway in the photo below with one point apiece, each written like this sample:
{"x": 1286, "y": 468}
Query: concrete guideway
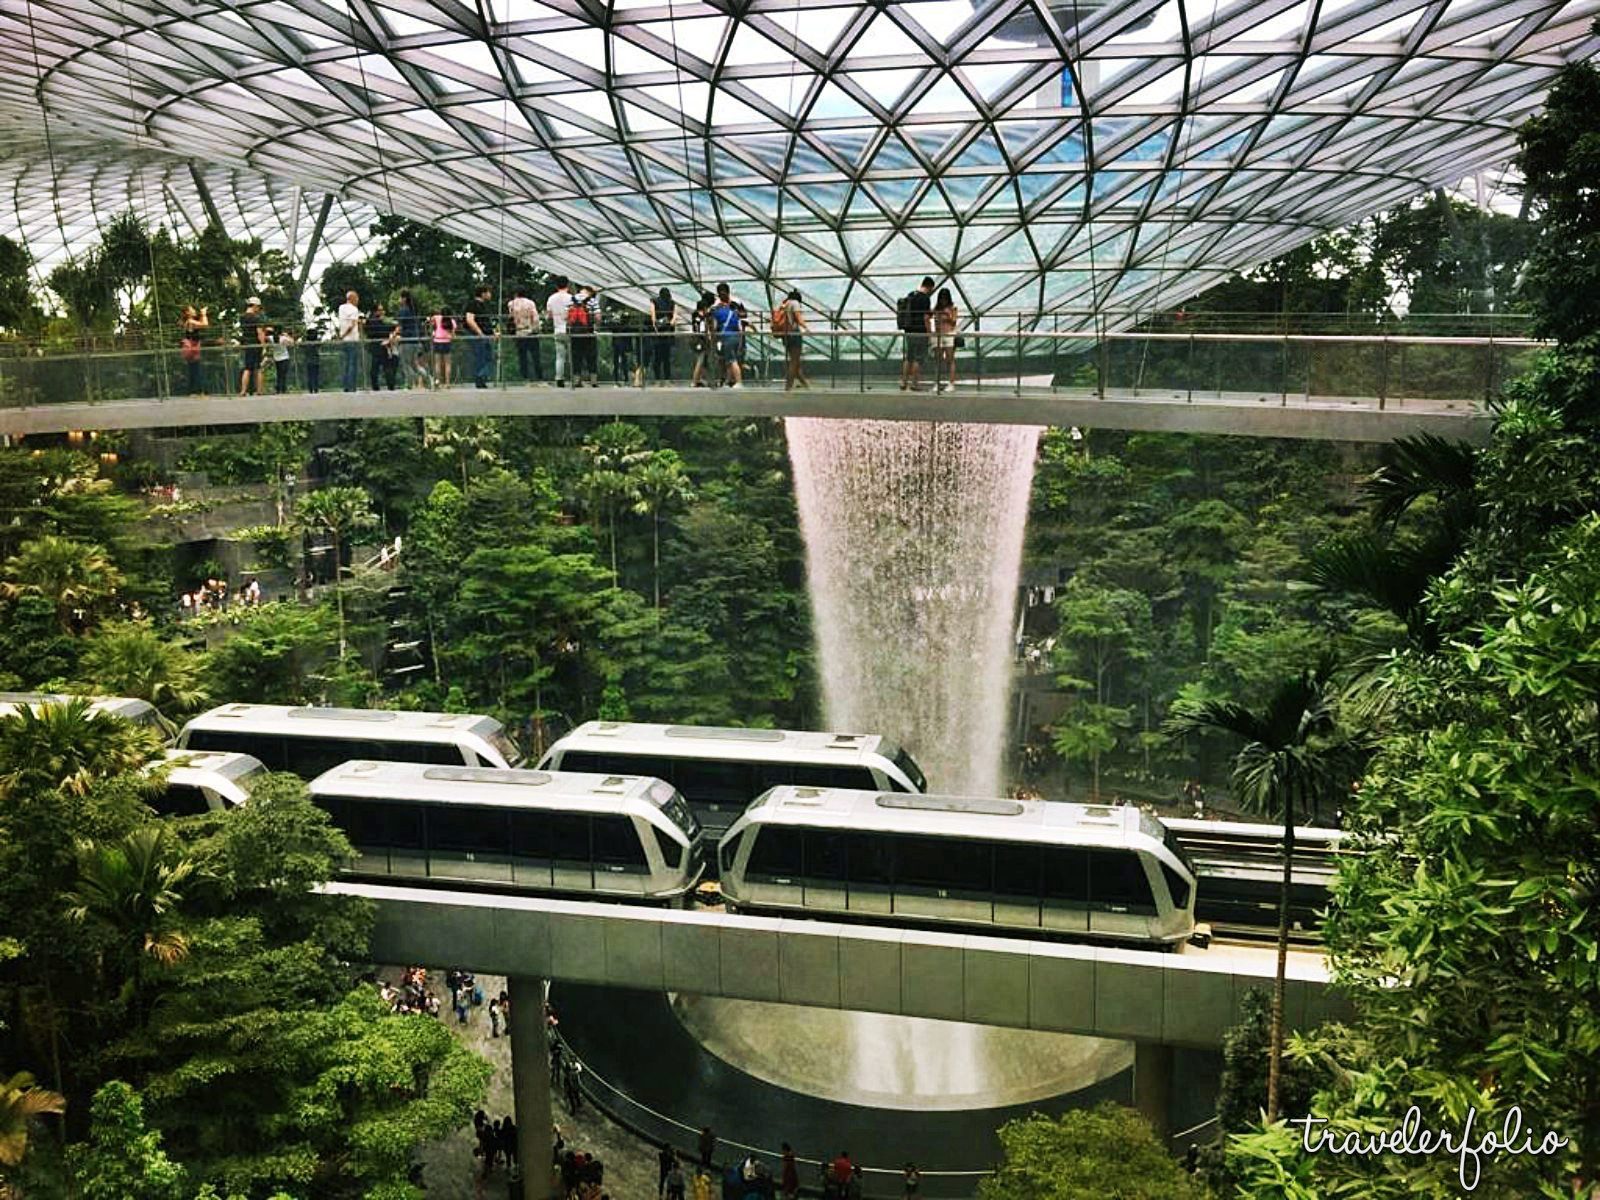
{"x": 1251, "y": 414}
{"x": 1186, "y": 999}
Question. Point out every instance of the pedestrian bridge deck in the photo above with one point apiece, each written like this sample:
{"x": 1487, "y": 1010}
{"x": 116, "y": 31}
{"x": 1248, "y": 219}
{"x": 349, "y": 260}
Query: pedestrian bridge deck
{"x": 1252, "y": 414}
{"x": 1188, "y": 998}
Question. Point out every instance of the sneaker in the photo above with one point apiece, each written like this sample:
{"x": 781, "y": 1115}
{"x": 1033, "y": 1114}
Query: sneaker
{"x": 736, "y": 387}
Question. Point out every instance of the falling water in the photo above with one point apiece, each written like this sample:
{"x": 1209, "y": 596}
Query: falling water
{"x": 913, "y": 536}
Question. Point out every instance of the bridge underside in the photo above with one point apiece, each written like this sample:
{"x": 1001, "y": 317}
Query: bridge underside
{"x": 1248, "y": 414}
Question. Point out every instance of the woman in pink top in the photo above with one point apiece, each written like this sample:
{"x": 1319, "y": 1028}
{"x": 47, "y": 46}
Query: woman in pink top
{"x": 444, "y": 332}
{"x": 946, "y": 316}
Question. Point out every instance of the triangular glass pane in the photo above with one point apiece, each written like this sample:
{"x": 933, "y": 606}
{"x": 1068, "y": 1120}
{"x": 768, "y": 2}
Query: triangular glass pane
{"x": 990, "y": 80}
{"x": 819, "y": 27}
{"x": 883, "y": 39}
{"x": 931, "y": 139}
{"x": 939, "y": 241}
{"x": 886, "y": 87}
{"x": 642, "y": 120}
{"x": 941, "y": 18}
{"x": 749, "y": 48}
{"x": 835, "y": 102}
{"x": 630, "y": 59}
{"x": 586, "y": 46}
{"x": 728, "y": 109}
{"x": 982, "y": 151}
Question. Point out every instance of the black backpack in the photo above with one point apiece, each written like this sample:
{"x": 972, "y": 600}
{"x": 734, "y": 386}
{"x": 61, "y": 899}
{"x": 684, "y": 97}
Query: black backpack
{"x": 902, "y": 313}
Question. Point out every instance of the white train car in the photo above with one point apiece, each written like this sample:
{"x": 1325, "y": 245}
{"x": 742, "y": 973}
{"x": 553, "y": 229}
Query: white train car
{"x": 1010, "y": 866}
{"x": 201, "y": 781}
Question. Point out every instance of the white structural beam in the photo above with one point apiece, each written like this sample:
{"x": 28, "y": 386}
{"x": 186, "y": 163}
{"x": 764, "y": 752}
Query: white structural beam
{"x": 1189, "y": 998}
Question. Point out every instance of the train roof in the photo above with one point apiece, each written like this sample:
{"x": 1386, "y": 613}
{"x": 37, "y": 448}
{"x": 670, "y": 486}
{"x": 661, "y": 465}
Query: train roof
{"x": 714, "y": 741}
{"x": 952, "y": 816}
{"x": 225, "y": 763}
{"x": 378, "y": 724}
{"x": 126, "y": 707}
{"x": 492, "y": 787}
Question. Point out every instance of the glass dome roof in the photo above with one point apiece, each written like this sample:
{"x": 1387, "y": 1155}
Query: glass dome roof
{"x": 1049, "y": 155}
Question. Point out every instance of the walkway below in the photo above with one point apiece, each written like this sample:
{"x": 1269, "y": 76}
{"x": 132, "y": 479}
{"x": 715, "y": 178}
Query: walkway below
{"x": 1318, "y": 418}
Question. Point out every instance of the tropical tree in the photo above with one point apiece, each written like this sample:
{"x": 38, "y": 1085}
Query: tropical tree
{"x": 1291, "y": 756}
{"x": 613, "y": 456}
{"x": 74, "y": 576}
{"x": 465, "y": 440}
{"x": 1103, "y": 1153}
{"x": 129, "y": 658}
{"x": 660, "y": 483}
{"x": 340, "y": 512}
{"x": 69, "y": 746}
{"x": 133, "y": 888}
{"x": 22, "y": 1102}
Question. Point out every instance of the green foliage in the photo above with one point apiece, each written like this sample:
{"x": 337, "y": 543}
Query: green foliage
{"x": 18, "y": 312}
{"x": 123, "y": 1159}
{"x": 75, "y": 577}
{"x": 1246, "y": 1051}
{"x": 269, "y": 653}
{"x": 1104, "y": 1153}
{"x": 129, "y": 658}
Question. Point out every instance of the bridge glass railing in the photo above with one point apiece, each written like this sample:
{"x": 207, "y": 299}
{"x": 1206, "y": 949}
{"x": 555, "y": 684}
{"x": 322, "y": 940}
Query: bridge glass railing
{"x": 1192, "y": 363}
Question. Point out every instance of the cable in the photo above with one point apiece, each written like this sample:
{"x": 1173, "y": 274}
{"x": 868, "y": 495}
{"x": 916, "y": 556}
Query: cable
{"x": 683, "y": 126}
{"x": 49, "y": 143}
{"x": 144, "y": 199}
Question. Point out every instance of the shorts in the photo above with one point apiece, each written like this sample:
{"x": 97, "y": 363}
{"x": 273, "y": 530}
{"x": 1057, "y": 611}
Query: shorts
{"x": 252, "y": 358}
{"x": 943, "y": 342}
{"x": 731, "y": 347}
{"x": 792, "y": 342}
{"x": 916, "y": 347}
{"x": 441, "y": 347}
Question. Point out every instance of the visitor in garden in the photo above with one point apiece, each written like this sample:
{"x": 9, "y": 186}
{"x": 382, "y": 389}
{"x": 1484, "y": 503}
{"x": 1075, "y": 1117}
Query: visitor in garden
{"x": 480, "y": 325}
{"x": 583, "y": 323}
{"x": 558, "y": 305}
{"x": 915, "y": 316}
{"x": 282, "y": 350}
{"x": 381, "y": 360}
{"x": 508, "y": 1144}
{"x": 666, "y": 1159}
{"x": 572, "y": 1087}
{"x": 189, "y": 346}
{"x": 946, "y": 317}
{"x": 708, "y": 1145}
{"x": 413, "y": 369}
{"x": 443, "y": 335}
{"x": 494, "y": 1018}
{"x": 912, "y": 1179}
{"x": 252, "y": 336}
{"x": 728, "y": 325}
{"x": 311, "y": 357}
{"x": 790, "y": 324}
{"x": 524, "y": 314}
{"x": 663, "y": 323}
{"x": 675, "y": 1182}
{"x": 349, "y": 333}
{"x": 702, "y": 346}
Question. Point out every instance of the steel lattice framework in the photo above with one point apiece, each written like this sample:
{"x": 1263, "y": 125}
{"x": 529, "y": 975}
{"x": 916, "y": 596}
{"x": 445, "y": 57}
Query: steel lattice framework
{"x": 1042, "y": 154}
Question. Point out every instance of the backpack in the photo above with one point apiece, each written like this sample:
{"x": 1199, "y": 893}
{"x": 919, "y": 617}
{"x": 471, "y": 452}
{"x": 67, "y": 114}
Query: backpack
{"x": 578, "y": 316}
{"x": 902, "y": 313}
{"x": 782, "y": 316}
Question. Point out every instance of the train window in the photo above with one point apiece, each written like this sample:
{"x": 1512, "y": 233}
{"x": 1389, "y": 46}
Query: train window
{"x": 569, "y": 838}
{"x": 713, "y": 782}
{"x": 1016, "y": 870}
{"x": 405, "y": 826}
{"x": 943, "y": 864}
{"x": 461, "y": 830}
{"x": 726, "y": 852}
{"x": 1177, "y": 885}
{"x": 872, "y": 861}
{"x": 363, "y": 822}
{"x": 617, "y": 845}
{"x": 766, "y": 775}
{"x": 908, "y": 765}
{"x": 439, "y": 754}
{"x": 268, "y": 748}
{"x": 1117, "y": 880}
{"x": 671, "y": 851}
{"x": 179, "y": 800}
{"x": 776, "y": 853}
{"x": 1064, "y": 875}
{"x": 825, "y": 855}
{"x": 530, "y": 835}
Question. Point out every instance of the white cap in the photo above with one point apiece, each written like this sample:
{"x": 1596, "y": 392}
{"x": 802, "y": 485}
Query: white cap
{"x": 253, "y": 301}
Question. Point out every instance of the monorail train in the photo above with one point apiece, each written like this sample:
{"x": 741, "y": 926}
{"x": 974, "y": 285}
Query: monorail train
{"x": 136, "y": 712}
{"x": 720, "y": 771}
{"x": 619, "y": 836}
{"x": 202, "y": 781}
{"x": 1240, "y": 867}
{"x": 1007, "y": 866}
{"x": 309, "y": 741}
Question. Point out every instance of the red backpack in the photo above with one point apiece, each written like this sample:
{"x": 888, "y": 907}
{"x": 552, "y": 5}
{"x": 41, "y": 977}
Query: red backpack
{"x": 578, "y": 316}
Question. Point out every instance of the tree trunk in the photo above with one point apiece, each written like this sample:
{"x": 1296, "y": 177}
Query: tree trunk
{"x": 1275, "y": 1047}
{"x": 611, "y": 521}
{"x": 338, "y": 593}
{"x": 655, "y": 557}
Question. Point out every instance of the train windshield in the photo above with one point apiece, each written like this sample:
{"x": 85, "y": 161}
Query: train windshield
{"x": 677, "y": 811}
{"x": 1170, "y": 840}
{"x": 908, "y": 766}
{"x": 507, "y": 749}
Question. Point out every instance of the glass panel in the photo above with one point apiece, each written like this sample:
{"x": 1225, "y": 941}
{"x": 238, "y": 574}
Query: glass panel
{"x": 456, "y": 829}
{"x": 1118, "y": 880}
{"x": 616, "y": 843}
{"x": 179, "y": 800}
{"x": 1016, "y": 870}
{"x": 569, "y": 838}
{"x": 872, "y": 858}
{"x": 777, "y": 853}
{"x": 365, "y": 823}
{"x": 825, "y": 856}
{"x": 530, "y": 835}
{"x": 1065, "y": 875}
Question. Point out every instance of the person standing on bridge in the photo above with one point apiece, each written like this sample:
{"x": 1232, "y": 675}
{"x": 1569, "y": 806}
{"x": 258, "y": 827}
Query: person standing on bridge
{"x": 946, "y": 316}
{"x": 524, "y": 315}
{"x": 789, "y": 324}
{"x": 480, "y": 324}
{"x": 915, "y": 313}
{"x": 413, "y": 371}
{"x": 557, "y": 306}
{"x": 253, "y": 336}
{"x": 189, "y": 346}
{"x": 349, "y": 330}
{"x": 663, "y": 321}
{"x": 708, "y": 1146}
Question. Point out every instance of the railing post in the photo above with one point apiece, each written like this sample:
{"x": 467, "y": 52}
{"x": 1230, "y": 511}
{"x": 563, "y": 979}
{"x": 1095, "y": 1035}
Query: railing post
{"x": 1383, "y": 370}
{"x": 977, "y": 350}
{"x": 1055, "y": 350}
{"x": 1283, "y": 400}
{"x": 861, "y": 350}
{"x": 1488, "y": 375}
{"x": 1105, "y": 363}
{"x": 1019, "y": 354}
{"x": 1189, "y": 374}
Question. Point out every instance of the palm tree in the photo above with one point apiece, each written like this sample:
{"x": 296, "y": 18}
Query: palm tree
{"x": 21, "y": 1102}
{"x": 70, "y": 746}
{"x": 338, "y": 512}
{"x": 615, "y": 453}
{"x": 133, "y": 888}
{"x": 1291, "y": 753}
{"x": 72, "y": 575}
{"x": 465, "y": 439}
{"x": 129, "y": 658}
{"x": 660, "y": 483}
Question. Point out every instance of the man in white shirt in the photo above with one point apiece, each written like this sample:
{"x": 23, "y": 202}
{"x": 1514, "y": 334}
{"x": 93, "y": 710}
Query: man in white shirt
{"x": 350, "y": 339}
{"x": 524, "y": 315}
{"x": 560, "y": 300}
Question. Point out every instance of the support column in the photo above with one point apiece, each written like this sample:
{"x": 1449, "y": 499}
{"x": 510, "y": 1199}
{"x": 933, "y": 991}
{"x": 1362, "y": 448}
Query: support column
{"x": 530, "y": 1083}
{"x": 1152, "y": 1084}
